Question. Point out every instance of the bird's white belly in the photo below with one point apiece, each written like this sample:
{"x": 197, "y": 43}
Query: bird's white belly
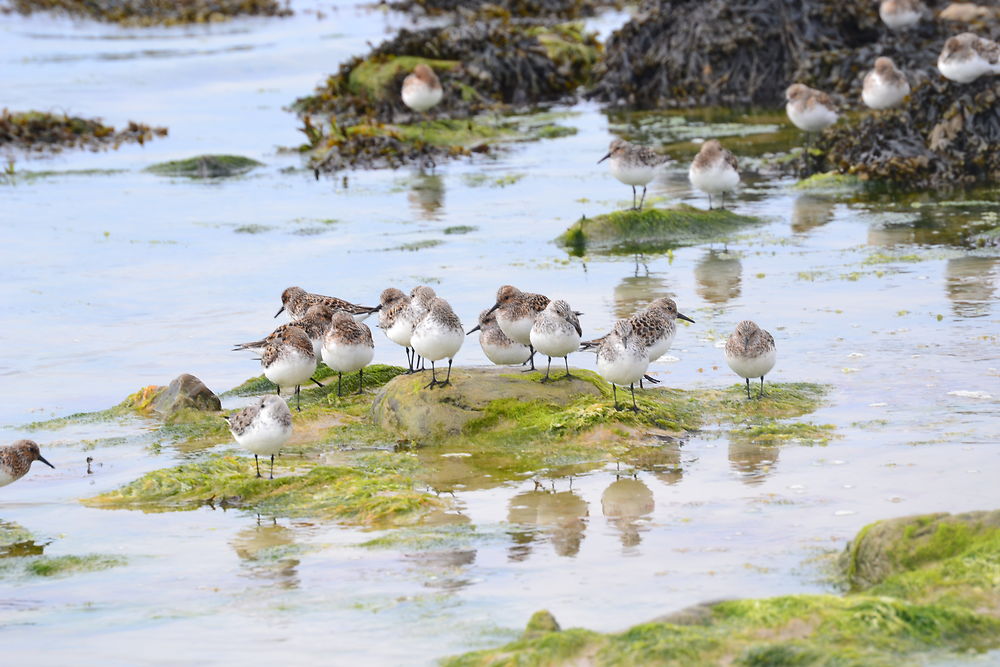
{"x": 6, "y": 478}
{"x": 881, "y": 96}
{"x": 753, "y": 367}
{"x": 436, "y": 344}
{"x": 718, "y": 178}
{"x": 400, "y": 332}
{"x": 505, "y": 355}
{"x": 660, "y": 347}
{"x": 518, "y": 330}
{"x": 965, "y": 71}
{"x": 555, "y": 343}
{"x": 632, "y": 175}
{"x": 291, "y": 371}
{"x": 347, "y": 358}
{"x": 421, "y": 98}
{"x": 811, "y": 119}
{"x": 625, "y": 369}
{"x": 265, "y": 439}
{"x": 899, "y": 19}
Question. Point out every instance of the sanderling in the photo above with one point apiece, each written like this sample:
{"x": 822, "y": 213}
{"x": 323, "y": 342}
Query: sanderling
{"x": 348, "y": 347}
{"x": 714, "y": 171}
{"x": 516, "y": 311}
{"x": 633, "y": 165}
{"x": 16, "y": 460}
{"x": 499, "y": 348}
{"x": 394, "y": 320}
{"x": 622, "y": 359}
{"x": 809, "y": 109}
{"x": 421, "y": 89}
{"x": 315, "y": 323}
{"x": 297, "y": 301}
{"x": 289, "y": 361}
{"x": 439, "y": 334}
{"x": 555, "y": 333}
{"x": 750, "y": 353}
{"x": 885, "y": 86}
{"x": 967, "y": 56}
{"x": 421, "y": 297}
{"x": 262, "y": 427}
{"x": 899, "y": 14}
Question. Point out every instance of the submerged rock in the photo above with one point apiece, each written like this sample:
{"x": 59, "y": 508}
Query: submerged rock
{"x": 650, "y": 230}
{"x": 206, "y": 166}
{"x": 42, "y": 131}
{"x": 185, "y": 392}
{"x": 150, "y": 12}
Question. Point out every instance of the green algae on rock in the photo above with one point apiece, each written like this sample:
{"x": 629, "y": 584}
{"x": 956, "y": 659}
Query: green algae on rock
{"x": 21, "y": 555}
{"x": 206, "y": 166}
{"x": 650, "y": 230}
{"x": 938, "y": 595}
{"x": 378, "y": 493}
{"x": 151, "y": 12}
{"x": 43, "y": 131}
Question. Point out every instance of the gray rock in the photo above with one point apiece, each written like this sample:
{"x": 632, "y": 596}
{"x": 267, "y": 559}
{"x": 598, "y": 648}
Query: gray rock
{"x": 185, "y": 391}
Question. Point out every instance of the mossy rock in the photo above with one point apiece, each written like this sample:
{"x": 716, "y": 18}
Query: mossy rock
{"x": 405, "y": 408}
{"x": 907, "y": 619}
{"x": 912, "y": 542}
{"x": 371, "y": 78}
{"x": 830, "y": 182}
{"x": 650, "y": 230}
{"x": 206, "y": 166}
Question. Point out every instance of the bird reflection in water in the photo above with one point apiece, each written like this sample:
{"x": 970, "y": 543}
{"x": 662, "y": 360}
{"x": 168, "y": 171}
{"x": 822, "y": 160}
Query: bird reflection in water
{"x": 627, "y": 504}
{"x": 535, "y": 516}
{"x": 634, "y": 293}
{"x": 426, "y": 196}
{"x": 753, "y": 463}
{"x": 268, "y": 551}
{"x": 718, "y": 276}
{"x": 971, "y": 284}
{"x": 445, "y": 570}
{"x": 810, "y": 212}
{"x": 663, "y": 461}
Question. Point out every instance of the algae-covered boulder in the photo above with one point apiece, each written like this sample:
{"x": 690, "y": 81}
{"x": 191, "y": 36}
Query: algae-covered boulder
{"x": 151, "y": 12}
{"x": 911, "y": 542}
{"x": 205, "y": 166}
{"x": 183, "y": 393}
{"x": 405, "y": 408}
{"x": 540, "y": 623}
{"x": 39, "y": 130}
{"x": 650, "y": 230}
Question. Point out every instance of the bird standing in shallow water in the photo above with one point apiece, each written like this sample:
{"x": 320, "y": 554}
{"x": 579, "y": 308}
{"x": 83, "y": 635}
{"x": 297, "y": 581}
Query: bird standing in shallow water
{"x": 714, "y": 171}
{"x": 633, "y": 165}
{"x": 750, "y": 353}
{"x": 16, "y": 460}
{"x": 516, "y": 311}
{"x": 348, "y": 347}
{"x": 289, "y": 361}
{"x": 555, "y": 333}
{"x": 262, "y": 427}
{"x": 437, "y": 336}
{"x": 885, "y": 86}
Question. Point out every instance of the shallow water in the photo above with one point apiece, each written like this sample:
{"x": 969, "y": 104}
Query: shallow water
{"x": 113, "y": 281}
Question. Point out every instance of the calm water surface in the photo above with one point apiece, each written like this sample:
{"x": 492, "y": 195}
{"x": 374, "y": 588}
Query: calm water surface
{"x": 112, "y": 281}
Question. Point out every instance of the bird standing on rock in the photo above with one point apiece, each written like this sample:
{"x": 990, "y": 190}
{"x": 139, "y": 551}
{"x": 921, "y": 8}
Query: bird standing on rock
{"x": 555, "y": 333}
{"x": 516, "y": 311}
{"x": 714, "y": 171}
{"x": 438, "y": 335}
{"x": 262, "y": 427}
{"x": 348, "y": 347}
{"x": 750, "y": 352}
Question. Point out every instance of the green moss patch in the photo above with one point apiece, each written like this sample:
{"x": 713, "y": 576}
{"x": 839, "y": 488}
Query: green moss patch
{"x": 378, "y": 493}
{"x": 205, "y": 166}
{"x": 650, "y": 230}
{"x": 43, "y": 131}
{"x": 151, "y": 12}
{"x": 830, "y": 182}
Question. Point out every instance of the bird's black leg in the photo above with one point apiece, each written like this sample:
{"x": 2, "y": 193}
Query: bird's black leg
{"x": 433, "y": 381}
{"x": 643, "y": 199}
{"x": 640, "y": 384}
{"x": 318, "y": 383}
{"x": 361, "y": 380}
{"x": 272, "y": 466}
{"x": 631, "y": 387}
{"x": 709, "y": 202}
{"x": 257, "y": 463}
{"x": 761, "y": 394}
{"x": 298, "y": 397}
{"x": 546, "y": 378}
{"x": 723, "y": 200}
{"x": 614, "y": 395}
{"x": 340, "y": 377}
{"x": 409, "y": 361}
{"x": 633, "y": 198}
{"x": 447, "y": 379}
{"x": 567, "y": 376}
{"x": 531, "y": 360}
{"x": 748, "y": 387}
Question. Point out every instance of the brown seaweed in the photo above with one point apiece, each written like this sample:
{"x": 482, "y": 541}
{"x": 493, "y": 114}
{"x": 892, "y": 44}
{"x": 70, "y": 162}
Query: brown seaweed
{"x": 150, "y": 12}
{"x": 40, "y": 131}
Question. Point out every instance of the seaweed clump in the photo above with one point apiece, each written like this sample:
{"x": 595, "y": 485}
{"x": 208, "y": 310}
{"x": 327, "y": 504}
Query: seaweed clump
{"x": 553, "y": 9}
{"x": 151, "y": 12}
{"x": 486, "y": 65}
{"x": 42, "y": 131}
{"x": 946, "y": 135}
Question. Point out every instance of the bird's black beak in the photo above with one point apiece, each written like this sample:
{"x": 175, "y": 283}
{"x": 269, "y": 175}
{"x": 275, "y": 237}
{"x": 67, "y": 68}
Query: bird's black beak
{"x": 474, "y": 329}
{"x": 577, "y": 313}
{"x": 684, "y": 317}
{"x": 280, "y": 311}
{"x": 377, "y": 308}
{"x": 42, "y": 459}
{"x": 495, "y": 306}
{"x": 604, "y": 158}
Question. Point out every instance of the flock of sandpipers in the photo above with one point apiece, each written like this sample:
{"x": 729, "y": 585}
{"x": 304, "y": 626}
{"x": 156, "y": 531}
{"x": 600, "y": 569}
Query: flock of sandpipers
{"x": 519, "y": 323}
